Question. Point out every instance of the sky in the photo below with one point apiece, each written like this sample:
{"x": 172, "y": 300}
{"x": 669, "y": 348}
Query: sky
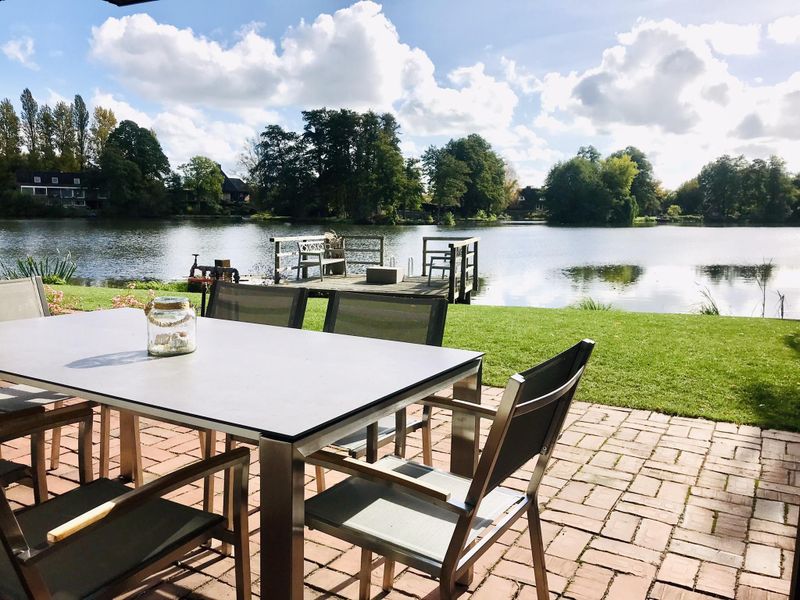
{"x": 683, "y": 80}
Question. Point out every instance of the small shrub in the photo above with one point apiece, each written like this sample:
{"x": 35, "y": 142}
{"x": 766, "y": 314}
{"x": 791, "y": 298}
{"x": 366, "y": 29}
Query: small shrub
{"x": 708, "y": 306}
{"x": 448, "y": 220}
{"x": 674, "y": 210}
{"x": 155, "y": 284}
{"x": 55, "y": 270}
{"x": 128, "y": 300}
{"x": 592, "y": 304}
{"x": 55, "y": 301}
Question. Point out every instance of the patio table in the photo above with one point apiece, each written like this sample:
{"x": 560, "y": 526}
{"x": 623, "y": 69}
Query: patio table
{"x": 291, "y": 392}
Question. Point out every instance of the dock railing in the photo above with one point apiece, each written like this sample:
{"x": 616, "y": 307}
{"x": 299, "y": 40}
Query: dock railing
{"x": 363, "y": 250}
{"x": 462, "y": 260}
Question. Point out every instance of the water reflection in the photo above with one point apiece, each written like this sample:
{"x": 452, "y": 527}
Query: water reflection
{"x": 736, "y": 273}
{"x": 619, "y": 276}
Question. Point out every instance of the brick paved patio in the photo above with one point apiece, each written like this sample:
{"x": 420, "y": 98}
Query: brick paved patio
{"x": 636, "y": 504}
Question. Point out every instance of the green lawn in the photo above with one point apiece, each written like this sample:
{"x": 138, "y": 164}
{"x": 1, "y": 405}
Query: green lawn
{"x": 745, "y": 370}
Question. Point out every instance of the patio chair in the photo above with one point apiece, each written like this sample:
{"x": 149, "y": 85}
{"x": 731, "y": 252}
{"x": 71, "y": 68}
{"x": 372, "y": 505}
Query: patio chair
{"x": 397, "y": 318}
{"x": 34, "y": 422}
{"x": 267, "y": 305}
{"x": 103, "y": 539}
{"x": 442, "y": 523}
{"x": 26, "y": 299}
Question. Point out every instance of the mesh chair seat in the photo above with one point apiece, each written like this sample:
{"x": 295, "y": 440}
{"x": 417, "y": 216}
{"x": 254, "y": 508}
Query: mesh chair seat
{"x": 21, "y": 397}
{"x": 405, "y": 524}
{"x": 110, "y": 552}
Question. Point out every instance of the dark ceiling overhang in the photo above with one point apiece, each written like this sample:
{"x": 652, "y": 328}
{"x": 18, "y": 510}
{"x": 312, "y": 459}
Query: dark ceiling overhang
{"x": 127, "y": 2}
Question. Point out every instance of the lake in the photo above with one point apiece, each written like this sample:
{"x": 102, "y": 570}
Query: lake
{"x": 660, "y": 269}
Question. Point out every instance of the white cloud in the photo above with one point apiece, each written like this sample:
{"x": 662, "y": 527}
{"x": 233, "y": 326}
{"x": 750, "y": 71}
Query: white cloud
{"x": 667, "y": 89}
{"x": 21, "y": 50}
{"x": 352, "y": 58}
{"x": 519, "y": 77}
{"x": 185, "y": 131}
{"x": 785, "y": 30}
{"x": 730, "y": 39}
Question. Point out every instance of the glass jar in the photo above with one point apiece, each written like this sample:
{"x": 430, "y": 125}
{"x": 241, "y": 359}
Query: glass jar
{"x": 171, "y": 326}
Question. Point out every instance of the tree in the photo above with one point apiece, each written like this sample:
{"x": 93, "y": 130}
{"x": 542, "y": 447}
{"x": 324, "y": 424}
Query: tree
{"x": 587, "y": 189}
{"x": 589, "y": 153}
{"x": 644, "y": 187}
{"x": 46, "y": 135}
{"x": 80, "y": 125}
{"x": 486, "y": 182}
{"x": 141, "y": 147}
{"x": 618, "y": 174}
{"x": 689, "y": 197}
{"x": 283, "y": 171}
{"x": 30, "y": 112}
{"x": 9, "y": 132}
{"x": 447, "y": 178}
{"x": 103, "y": 123}
{"x": 65, "y": 136}
{"x": 721, "y": 184}
{"x": 204, "y": 177}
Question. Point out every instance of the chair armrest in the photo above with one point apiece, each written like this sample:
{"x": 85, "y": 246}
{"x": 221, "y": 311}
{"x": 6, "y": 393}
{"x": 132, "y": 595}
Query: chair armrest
{"x": 369, "y": 471}
{"x": 35, "y": 421}
{"x": 155, "y": 489}
{"x": 479, "y": 410}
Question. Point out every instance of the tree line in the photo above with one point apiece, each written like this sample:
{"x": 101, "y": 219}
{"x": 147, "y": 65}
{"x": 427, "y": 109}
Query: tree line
{"x": 588, "y": 189}
{"x": 349, "y": 165}
{"x": 122, "y": 162}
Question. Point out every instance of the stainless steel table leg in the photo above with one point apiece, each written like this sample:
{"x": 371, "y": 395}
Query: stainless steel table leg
{"x": 465, "y": 440}
{"x": 282, "y": 520}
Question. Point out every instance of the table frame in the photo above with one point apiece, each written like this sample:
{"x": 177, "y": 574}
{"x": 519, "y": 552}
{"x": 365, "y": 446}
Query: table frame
{"x": 282, "y": 463}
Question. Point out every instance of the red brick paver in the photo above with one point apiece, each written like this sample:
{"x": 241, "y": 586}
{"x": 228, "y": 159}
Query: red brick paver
{"x": 635, "y": 505}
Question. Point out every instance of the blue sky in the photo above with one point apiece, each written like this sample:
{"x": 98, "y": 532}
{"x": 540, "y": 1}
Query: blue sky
{"x": 684, "y": 80}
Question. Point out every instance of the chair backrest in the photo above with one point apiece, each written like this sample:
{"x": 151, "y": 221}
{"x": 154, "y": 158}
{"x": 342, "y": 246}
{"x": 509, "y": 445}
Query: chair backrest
{"x": 397, "y": 318}
{"x": 22, "y": 299}
{"x": 529, "y": 419}
{"x": 311, "y": 246}
{"x": 264, "y": 304}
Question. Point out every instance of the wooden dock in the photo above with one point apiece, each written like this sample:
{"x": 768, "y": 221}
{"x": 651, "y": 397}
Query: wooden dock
{"x": 410, "y": 286}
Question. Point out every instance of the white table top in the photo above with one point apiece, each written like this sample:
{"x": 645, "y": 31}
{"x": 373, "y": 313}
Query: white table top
{"x": 283, "y": 383}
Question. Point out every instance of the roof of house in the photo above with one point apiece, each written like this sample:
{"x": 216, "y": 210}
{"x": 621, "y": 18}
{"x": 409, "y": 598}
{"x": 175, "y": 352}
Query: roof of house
{"x": 234, "y": 184}
{"x": 65, "y": 178}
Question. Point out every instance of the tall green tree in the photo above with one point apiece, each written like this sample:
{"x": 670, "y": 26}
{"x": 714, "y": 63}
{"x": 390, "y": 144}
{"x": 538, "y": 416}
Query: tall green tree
{"x": 10, "y": 141}
{"x": 204, "y": 177}
{"x": 46, "y": 136}
{"x": 689, "y": 197}
{"x": 283, "y": 171}
{"x": 447, "y": 178}
{"x": 486, "y": 181}
{"x": 103, "y": 123}
{"x": 721, "y": 183}
{"x": 65, "y": 136}
{"x": 80, "y": 125}
{"x": 30, "y": 113}
{"x": 141, "y": 147}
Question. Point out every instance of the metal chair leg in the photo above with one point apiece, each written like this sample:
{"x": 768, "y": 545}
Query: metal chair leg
{"x": 319, "y": 473}
{"x": 400, "y": 432}
{"x": 388, "y": 575}
{"x": 365, "y": 576}
{"x": 427, "y": 440}
{"x": 55, "y": 442}
{"x": 241, "y": 543}
{"x": 38, "y": 467}
{"x": 537, "y": 550}
{"x": 105, "y": 440}
{"x": 228, "y": 492}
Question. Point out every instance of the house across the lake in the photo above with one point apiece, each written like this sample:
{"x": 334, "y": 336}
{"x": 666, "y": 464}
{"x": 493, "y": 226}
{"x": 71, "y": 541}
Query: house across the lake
{"x": 67, "y": 189}
{"x": 234, "y": 191}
